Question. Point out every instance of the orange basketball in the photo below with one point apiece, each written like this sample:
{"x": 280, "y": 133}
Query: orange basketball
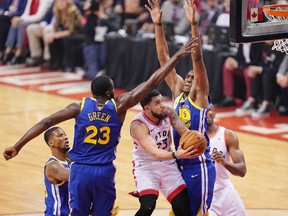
{"x": 194, "y": 138}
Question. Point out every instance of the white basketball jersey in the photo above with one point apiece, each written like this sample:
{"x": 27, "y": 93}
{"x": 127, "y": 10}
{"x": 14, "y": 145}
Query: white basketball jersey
{"x": 160, "y": 133}
{"x": 217, "y": 142}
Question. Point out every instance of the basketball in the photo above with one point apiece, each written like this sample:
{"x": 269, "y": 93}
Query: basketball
{"x": 194, "y": 138}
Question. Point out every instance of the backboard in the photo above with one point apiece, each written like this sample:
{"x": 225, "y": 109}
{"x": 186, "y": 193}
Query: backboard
{"x": 249, "y": 24}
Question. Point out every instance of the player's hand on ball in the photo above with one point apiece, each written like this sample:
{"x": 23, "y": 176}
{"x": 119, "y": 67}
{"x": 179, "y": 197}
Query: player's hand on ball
{"x": 10, "y": 153}
{"x": 190, "y": 152}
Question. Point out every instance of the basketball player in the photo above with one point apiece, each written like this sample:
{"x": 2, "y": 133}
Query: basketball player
{"x": 155, "y": 168}
{"x": 98, "y": 123}
{"x": 191, "y": 101}
{"x": 56, "y": 173}
{"x": 225, "y": 145}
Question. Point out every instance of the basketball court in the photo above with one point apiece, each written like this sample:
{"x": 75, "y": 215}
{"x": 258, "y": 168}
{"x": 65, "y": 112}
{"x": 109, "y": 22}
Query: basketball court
{"x": 30, "y": 94}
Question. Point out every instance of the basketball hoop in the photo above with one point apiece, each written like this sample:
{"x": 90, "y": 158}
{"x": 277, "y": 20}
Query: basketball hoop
{"x": 278, "y": 13}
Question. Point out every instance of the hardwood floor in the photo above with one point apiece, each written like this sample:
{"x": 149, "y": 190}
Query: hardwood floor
{"x": 264, "y": 189}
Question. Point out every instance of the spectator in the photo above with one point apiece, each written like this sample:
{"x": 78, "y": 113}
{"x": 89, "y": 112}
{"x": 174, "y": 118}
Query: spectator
{"x": 209, "y": 15}
{"x": 263, "y": 82}
{"x": 282, "y": 81}
{"x": 173, "y": 12}
{"x": 247, "y": 54}
{"x": 67, "y": 22}
{"x": 224, "y": 17}
{"x": 135, "y": 10}
{"x": 100, "y": 21}
{"x": 35, "y": 11}
{"x": 35, "y": 33}
{"x": 8, "y": 10}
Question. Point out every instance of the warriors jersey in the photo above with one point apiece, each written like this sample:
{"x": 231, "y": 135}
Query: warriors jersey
{"x": 195, "y": 118}
{"x": 56, "y": 195}
{"x": 198, "y": 173}
{"x": 160, "y": 133}
{"x": 218, "y": 143}
{"x": 97, "y": 133}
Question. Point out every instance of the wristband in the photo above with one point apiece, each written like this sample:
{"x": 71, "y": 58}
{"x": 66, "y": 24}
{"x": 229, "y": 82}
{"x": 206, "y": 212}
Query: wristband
{"x": 174, "y": 155}
{"x": 158, "y": 24}
{"x": 194, "y": 23}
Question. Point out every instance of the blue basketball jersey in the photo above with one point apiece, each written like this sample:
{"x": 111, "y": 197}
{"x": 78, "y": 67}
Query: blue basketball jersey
{"x": 56, "y": 195}
{"x": 195, "y": 118}
{"x": 198, "y": 173}
{"x": 96, "y": 133}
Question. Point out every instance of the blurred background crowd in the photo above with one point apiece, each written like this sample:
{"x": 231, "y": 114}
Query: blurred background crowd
{"x": 69, "y": 35}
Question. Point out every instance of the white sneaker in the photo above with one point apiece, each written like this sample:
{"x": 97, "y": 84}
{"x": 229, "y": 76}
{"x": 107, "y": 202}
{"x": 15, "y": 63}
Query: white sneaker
{"x": 261, "y": 112}
{"x": 100, "y": 73}
{"x": 246, "y": 109}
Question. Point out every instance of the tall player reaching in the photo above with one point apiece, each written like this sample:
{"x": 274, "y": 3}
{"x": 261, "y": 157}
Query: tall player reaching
{"x": 98, "y": 123}
{"x": 228, "y": 159}
{"x": 191, "y": 102}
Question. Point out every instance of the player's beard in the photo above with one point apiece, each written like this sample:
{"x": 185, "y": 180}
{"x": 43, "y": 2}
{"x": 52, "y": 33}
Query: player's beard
{"x": 66, "y": 149}
{"x": 159, "y": 116}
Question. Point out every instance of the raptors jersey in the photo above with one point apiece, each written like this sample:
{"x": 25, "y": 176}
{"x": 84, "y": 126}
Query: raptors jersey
{"x": 96, "y": 133}
{"x": 160, "y": 133}
{"x": 226, "y": 200}
{"x": 218, "y": 143}
{"x": 56, "y": 195}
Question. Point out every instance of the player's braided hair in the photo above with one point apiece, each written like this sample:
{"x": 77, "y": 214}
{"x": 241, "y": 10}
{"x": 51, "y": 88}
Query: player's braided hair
{"x": 100, "y": 85}
{"x": 147, "y": 99}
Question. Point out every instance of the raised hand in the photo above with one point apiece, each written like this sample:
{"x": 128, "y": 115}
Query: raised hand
{"x": 155, "y": 11}
{"x": 190, "y": 9}
{"x": 187, "y": 48}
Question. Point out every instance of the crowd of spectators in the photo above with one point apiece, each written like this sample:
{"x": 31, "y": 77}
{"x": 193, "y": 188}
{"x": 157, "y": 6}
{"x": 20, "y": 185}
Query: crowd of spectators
{"x": 69, "y": 34}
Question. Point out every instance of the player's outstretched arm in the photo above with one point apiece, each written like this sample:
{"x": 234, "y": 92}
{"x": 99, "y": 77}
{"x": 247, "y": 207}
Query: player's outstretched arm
{"x": 130, "y": 99}
{"x": 238, "y": 166}
{"x": 71, "y": 111}
{"x": 173, "y": 80}
{"x": 200, "y": 83}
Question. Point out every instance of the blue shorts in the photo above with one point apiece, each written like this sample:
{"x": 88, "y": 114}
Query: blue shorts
{"x": 92, "y": 189}
{"x": 200, "y": 180}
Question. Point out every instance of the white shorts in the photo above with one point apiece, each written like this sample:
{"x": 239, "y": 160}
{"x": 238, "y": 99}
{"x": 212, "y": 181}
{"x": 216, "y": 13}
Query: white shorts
{"x": 227, "y": 202}
{"x": 164, "y": 176}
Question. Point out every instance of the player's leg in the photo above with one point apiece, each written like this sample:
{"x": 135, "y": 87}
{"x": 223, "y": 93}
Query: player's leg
{"x": 233, "y": 203}
{"x": 80, "y": 196}
{"x": 180, "y": 204}
{"x": 148, "y": 183}
{"x": 174, "y": 188}
{"x": 147, "y": 205}
{"x": 103, "y": 190}
{"x": 200, "y": 179}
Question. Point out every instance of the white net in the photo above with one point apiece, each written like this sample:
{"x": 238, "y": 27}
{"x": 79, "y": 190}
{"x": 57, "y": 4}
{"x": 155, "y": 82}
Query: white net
{"x": 281, "y": 45}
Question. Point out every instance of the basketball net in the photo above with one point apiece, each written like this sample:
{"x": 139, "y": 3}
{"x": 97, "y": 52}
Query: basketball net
{"x": 278, "y": 13}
